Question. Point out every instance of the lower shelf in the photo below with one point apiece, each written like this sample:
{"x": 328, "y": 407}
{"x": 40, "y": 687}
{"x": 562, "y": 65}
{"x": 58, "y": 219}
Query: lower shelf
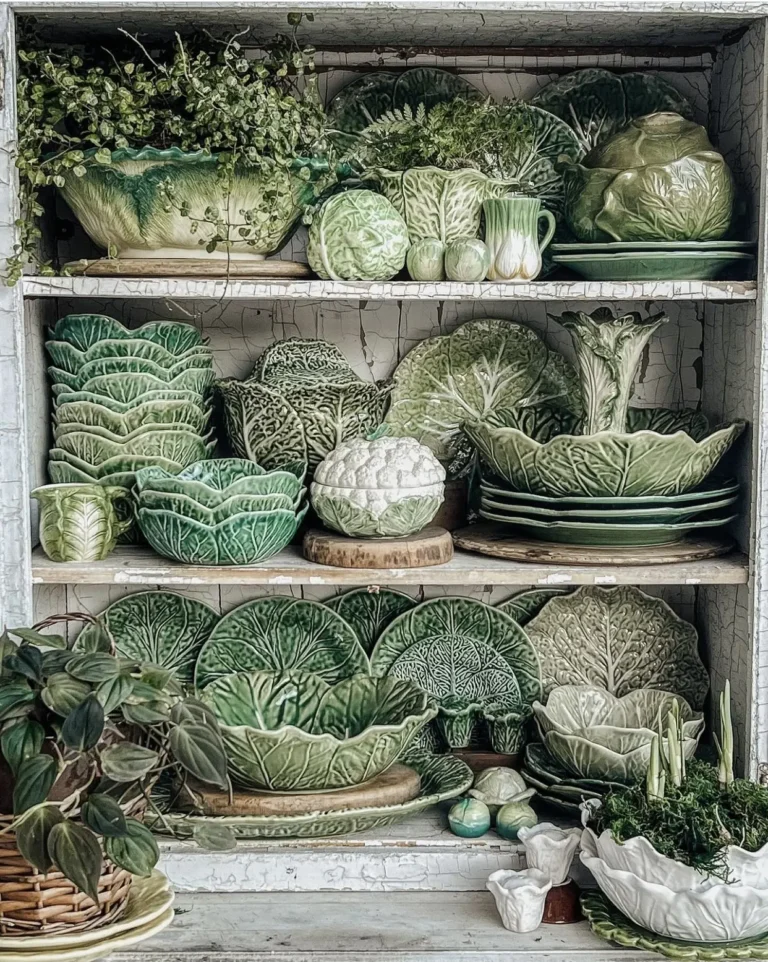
{"x": 141, "y": 566}
{"x": 363, "y": 927}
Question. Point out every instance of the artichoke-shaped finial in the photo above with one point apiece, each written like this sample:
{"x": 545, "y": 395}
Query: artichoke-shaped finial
{"x": 608, "y": 352}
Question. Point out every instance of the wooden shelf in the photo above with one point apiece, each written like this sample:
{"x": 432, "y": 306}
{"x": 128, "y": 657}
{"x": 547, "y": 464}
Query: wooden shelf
{"x": 141, "y": 566}
{"x": 179, "y": 288}
{"x": 371, "y": 926}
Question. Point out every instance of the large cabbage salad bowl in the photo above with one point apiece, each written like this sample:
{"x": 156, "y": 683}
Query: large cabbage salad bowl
{"x": 594, "y": 734}
{"x": 291, "y": 731}
{"x": 158, "y": 203}
{"x": 604, "y": 454}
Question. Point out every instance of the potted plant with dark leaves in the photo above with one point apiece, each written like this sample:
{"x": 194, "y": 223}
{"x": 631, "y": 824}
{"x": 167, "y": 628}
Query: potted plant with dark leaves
{"x": 83, "y": 737}
{"x": 188, "y": 149}
{"x": 684, "y": 856}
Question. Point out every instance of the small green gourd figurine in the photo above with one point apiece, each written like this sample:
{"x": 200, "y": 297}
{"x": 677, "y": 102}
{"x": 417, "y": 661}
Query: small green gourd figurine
{"x": 469, "y": 818}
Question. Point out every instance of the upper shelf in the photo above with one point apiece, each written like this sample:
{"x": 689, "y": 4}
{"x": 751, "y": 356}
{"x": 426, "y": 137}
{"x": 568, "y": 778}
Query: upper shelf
{"x": 141, "y": 566}
{"x": 184, "y": 287}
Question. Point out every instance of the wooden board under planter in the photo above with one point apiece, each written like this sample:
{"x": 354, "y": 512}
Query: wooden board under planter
{"x": 188, "y": 267}
{"x": 397, "y": 785}
{"x": 432, "y": 546}
{"x": 496, "y": 541}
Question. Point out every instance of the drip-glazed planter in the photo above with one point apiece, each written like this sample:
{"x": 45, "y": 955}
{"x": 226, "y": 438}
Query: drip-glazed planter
{"x": 145, "y": 202}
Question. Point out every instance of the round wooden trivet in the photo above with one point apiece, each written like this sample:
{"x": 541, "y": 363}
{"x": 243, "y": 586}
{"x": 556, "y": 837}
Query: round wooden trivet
{"x": 189, "y": 267}
{"x": 397, "y": 785}
{"x": 495, "y": 540}
{"x": 432, "y": 546}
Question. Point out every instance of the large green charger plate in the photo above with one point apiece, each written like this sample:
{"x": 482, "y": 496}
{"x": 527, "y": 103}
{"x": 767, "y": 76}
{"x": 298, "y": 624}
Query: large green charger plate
{"x": 443, "y": 777}
{"x": 602, "y": 514}
{"x": 678, "y": 265}
{"x": 369, "y": 610}
{"x": 280, "y": 634}
{"x": 711, "y": 488}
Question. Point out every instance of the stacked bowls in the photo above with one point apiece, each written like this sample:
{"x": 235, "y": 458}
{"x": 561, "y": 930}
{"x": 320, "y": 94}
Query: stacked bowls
{"x": 222, "y": 512}
{"x": 614, "y": 521}
{"x": 127, "y": 399}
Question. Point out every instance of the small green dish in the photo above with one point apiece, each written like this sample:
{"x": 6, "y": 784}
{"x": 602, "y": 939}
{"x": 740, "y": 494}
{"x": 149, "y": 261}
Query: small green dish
{"x": 612, "y": 535}
{"x": 711, "y": 488}
{"x": 601, "y": 514}
{"x": 618, "y": 247}
{"x": 677, "y": 265}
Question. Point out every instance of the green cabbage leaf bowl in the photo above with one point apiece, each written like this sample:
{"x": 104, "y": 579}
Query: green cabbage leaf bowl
{"x": 595, "y": 735}
{"x": 292, "y": 732}
{"x": 146, "y": 201}
{"x": 211, "y": 483}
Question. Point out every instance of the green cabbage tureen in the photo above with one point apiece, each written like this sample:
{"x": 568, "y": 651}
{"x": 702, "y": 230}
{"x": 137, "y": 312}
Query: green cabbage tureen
{"x": 292, "y": 732}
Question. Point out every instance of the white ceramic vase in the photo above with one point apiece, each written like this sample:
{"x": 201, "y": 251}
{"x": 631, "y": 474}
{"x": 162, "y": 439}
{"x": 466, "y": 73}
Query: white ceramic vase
{"x": 512, "y": 237}
{"x": 550, "y": 849}
{"x": 520, "y": 897}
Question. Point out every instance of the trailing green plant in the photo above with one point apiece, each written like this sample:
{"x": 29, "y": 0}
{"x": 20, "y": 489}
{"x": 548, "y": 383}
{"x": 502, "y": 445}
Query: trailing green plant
{"x": 690, "y": 811}
{"x": 78, "y": 105}
{"x": 83, "y": 737}
{"x": 491, "y": 137}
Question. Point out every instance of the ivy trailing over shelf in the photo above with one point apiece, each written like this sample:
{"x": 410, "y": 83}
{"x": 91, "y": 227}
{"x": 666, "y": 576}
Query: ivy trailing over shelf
{"x": 78, "y": 105}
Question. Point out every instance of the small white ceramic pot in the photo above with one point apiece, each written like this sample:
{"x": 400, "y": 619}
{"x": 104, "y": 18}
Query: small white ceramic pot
{"x": 550, "y": 849}
{"x": 520, "y": 897}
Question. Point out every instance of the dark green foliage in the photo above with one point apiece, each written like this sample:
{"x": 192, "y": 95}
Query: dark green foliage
{"x": 693, "y": 823}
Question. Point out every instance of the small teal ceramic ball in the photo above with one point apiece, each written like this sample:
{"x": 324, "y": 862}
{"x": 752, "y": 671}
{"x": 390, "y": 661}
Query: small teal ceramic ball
{"x": 469, "y": 818}
{"x": 513, "y": 816}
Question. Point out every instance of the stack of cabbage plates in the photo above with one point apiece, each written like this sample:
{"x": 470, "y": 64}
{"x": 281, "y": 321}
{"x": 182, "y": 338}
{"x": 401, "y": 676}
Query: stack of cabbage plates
{"x": 623, "y": 520}
{"x": 127, "y": 399}
{"x": 222, "y": 512}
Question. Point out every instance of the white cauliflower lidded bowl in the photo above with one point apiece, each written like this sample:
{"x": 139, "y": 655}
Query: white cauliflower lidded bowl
{"x": 386, "y": 488}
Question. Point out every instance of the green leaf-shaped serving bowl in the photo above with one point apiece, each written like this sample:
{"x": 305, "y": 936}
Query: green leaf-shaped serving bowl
{"x": 210, "y": 483}
{"x": 83, "y": 331}
{"x": 177, "y": 445}
{"x": 129, "y": 366}
{"x": 188, "y": 507}
{"x": 192, "y": 414}
{"x": 292, "y": 732}
{"x": 67, "y": 357}
{"x": 132, "y": 387}
{"x": 242, "y": 539}
{"x": 123, "y": 408}
{"x": 125, "y": 463}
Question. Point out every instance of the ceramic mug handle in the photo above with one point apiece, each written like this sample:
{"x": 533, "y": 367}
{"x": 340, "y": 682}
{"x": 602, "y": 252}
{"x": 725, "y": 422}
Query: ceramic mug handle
{"x": 549, "y": 217}
{"x": 116, "y": 494}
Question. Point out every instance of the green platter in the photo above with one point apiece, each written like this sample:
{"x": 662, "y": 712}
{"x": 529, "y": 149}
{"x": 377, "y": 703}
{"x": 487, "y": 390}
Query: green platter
{"x": 614, "y": 535}
{"x": 713, "y": 488}
{"x": 660, "y": 266}
{"x": 443, "y": 777}
{"x": 600, "y": 514}
{"x": 618, "y": 247}
{"x": 606, "y": 921}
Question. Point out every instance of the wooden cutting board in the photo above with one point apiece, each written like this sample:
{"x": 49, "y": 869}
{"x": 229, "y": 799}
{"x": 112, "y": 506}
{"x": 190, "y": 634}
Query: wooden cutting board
{"x": 397, "y": 785}
{"x": 432, "y": 546}
{"x": 189, "y": 267}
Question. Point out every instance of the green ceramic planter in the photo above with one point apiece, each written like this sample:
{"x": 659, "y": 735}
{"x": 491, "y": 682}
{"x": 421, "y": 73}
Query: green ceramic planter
{"x": 78, "y": 522}
{"x": 124, "y": 206}
{"x": 292, "y": 732}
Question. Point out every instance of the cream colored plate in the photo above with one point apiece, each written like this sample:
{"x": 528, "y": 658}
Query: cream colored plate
{"x": 148, "y": 900}
{"x": 97, "y": 950}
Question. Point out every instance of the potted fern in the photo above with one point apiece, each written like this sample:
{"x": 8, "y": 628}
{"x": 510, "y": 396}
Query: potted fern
{"x": 685, "y": 855}
{"x": 83, "y": 737}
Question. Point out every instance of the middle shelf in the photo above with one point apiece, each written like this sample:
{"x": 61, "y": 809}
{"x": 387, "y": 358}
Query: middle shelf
{"x": 141, "y": 566}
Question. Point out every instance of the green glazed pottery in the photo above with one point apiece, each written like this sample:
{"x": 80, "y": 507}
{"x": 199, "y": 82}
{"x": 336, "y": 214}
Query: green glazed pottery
{"x": 595, "y": 735}
{"x": 474, "y": 660}
{"x": 618, "y": 247}
{"x": 657, "y": 179}
{"x": 84, "y": 331}
{"x": 678, "y": 265}
{"x": 443, "y": 777}
{"x": 357, "y": 236}
{"x": 469, "y": 818}
{"x": 159, "y": 627}
{"x": 293, "y": 732}
{"x": 301, "y": 400}
{"x": 620, "y": 639}
{"x": 282, "y": 634}
{"x": 602, "y": 514}
{"x": 556, "y": 784}
{"x": 709, "y": 490}
{"x": 512, "y": 236}
{"x": 369, "y": 610}
{"x": 525, "y": 605}
{"x": 512, "y": 817}
{"x": 125, "y": 207}
{"x": 597, "y": 103}
{"x": 78, "y": 522}
{"x": 466, "y": 260}
{"x": 210, "y": 484}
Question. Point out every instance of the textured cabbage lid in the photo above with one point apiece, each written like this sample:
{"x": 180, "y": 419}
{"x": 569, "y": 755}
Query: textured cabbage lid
{"x": 385, "y": 462}
{"x": 654, "y": 139}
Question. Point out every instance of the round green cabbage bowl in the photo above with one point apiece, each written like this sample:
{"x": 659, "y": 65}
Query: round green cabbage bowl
{"x": 437, "y": 203}
{"x": 170, "y": 203}
{"x": 606, "y": 464}
{"x": 292, "y": 732}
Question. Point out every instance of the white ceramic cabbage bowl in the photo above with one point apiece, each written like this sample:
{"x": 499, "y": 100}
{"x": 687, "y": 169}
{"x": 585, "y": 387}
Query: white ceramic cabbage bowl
{"x": 709, "y": 911}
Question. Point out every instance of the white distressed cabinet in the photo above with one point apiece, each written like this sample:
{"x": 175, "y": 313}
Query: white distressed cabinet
{"x": 414, "y": 893}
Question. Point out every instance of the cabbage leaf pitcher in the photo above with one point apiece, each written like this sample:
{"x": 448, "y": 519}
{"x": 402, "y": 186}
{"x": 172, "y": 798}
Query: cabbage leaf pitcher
{"x": 512, "y": 237}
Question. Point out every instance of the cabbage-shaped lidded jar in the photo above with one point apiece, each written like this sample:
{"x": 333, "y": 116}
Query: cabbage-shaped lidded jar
{"x": 659, "y": 179}
{"x": 384, "y": 488}
{"x": 357, "y": 236}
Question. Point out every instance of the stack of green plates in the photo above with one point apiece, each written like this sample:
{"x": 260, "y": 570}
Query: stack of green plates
{"x": 657, "y": 260}
{"x": 615, "y": 521}
{"x": 555, "y": 785}
{"x": 127, "y": 399}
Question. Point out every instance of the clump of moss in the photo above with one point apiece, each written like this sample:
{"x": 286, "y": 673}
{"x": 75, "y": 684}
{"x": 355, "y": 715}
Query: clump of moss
{"x": 692, "y": 823}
